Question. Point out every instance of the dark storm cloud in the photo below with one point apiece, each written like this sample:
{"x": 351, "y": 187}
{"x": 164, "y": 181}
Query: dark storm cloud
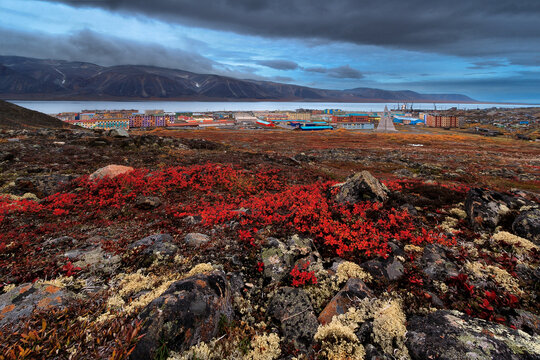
{"x": 480, "y": 65}
{"x": 92, "y": 47}
{"x": 279, "y": 64}
{"x": 458, "y": 27}
{"x": 340, "y": 72}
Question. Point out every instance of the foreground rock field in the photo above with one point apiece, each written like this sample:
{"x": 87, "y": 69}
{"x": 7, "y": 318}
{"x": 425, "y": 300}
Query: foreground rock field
{"x": 268, "y": 245}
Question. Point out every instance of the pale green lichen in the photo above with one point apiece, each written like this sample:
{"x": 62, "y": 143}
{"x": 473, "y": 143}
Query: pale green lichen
{"x": 200, "y": 269}
{"x": 519, "y": 244}
{"x": 499, "y": 275}
{"x": 347, "y": 270}
{"x": 389, "y": 329}
{"x": 459, "y": 213}
{"x": 261, "y": 347}
{"x": 264, "y": 347}
{"x": 338, "y": 339}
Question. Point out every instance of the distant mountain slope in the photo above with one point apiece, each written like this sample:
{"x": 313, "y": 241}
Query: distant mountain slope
{"x": 28, "y": 78}
{"x": 16, "y": 117}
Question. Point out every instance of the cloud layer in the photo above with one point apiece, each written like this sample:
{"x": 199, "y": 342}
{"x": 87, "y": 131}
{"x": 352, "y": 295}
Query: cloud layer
{"x": 507, "y": 28}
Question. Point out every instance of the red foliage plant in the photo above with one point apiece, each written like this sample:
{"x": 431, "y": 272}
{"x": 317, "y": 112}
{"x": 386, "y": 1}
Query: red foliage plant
{"x": 217, "y": 193}
{"x": 301, "y": 277}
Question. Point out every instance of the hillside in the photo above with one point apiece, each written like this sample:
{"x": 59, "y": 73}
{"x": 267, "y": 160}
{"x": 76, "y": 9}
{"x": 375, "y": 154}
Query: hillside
{"x": 17, "y": 117}
{"x": 243, "y": 245}
{"x": 27, "y": 78}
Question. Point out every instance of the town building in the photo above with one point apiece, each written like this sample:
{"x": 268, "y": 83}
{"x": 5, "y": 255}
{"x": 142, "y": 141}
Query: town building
{"x": 442, "y": 121}
{"x": 356, "y": 125}
{"x": 351, "y": 118}
{"x": 108, "y": 124}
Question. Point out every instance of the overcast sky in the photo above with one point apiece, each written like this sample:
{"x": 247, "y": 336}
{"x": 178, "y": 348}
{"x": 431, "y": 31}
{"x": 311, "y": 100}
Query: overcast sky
{"x": 487, "y": 49}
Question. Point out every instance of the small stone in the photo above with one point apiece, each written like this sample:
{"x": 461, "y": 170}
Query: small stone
{"x": 394, "y": 270}
{"x": 344, "y": 299}
{"x": 196, "y": 239}
{"x": 162, "y": 244}
{"x": 147, "y": 202}
{"x": 119, "y": 133}
{"x": 276, "y": 261}
{"x": 292, "y": 310}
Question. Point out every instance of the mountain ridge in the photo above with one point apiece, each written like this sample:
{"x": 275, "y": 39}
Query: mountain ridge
{"x": 24, "y": 78}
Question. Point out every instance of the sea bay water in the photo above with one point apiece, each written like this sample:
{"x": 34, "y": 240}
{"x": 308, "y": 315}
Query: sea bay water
{"x": 54, "y": 107}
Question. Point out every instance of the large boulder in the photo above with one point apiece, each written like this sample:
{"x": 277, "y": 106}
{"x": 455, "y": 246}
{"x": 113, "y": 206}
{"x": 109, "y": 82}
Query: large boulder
{"x": 110, "y": 171}
{"x": 485, "y": 208}
{"x": 449, "y": 335}
{"x": 24, "y": 299}
{"x": 362, "y": 186}
{"x": 527, "y": 225}
{"x": 292, "y": 310}
{"x": 188, "y": 313}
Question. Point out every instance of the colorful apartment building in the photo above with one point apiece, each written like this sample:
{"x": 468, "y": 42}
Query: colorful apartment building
{"x": 108, "y": 124}
{"x": 351, "y": 118}
{"x": 305, "y": 116}
{"x": 442, "y": 121}
{"x": 87, "y": 124}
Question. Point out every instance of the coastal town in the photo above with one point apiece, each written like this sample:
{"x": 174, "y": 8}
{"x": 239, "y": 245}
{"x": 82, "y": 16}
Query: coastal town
{"x": 302, "y": 119}
{"x": 520, "y": 123}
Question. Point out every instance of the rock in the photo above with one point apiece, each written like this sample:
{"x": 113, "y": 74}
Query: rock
{"x": 449, "y": 335}
{"x": 186, "y": 314}
{"x": 276, "y": 260}
{"x": 394, "y": 270}
{"x": 436, "y": 265}
{"x": 527, "y": 225}
{"x": 404, "y": 173}
{"x": 60, "y": 241}
{"x": 196, "y": 239}
{"x": 110, "y": 171}
{"x": 147, "y": 202}
{"x": 24, "y": 299}
{"x": 344, "y": 299}
{"x": 362, "y": 186}
{"x": 158, "y": 244}
{"x": 291, "y": 309}
{"x": 372, "y": 353}
{"x": 94, "y": 260}
{"x": 119, "y": 133}
{"x": 526, "y": 321}
{"x": 300, "y": 246}
{"x": 485, "y": 208}
{"x": 41, "y": 185}
{"x": 374, "y": 267}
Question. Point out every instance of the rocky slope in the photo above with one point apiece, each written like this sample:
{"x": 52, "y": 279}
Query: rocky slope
{"x": 17, "y": 117}
{"x": 186, "y": 248}
{"x": 28, "y": 78}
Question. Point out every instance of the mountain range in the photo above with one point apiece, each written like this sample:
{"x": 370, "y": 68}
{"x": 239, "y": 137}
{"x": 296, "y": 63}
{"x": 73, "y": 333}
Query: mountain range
{"x": 24, "y": 78}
